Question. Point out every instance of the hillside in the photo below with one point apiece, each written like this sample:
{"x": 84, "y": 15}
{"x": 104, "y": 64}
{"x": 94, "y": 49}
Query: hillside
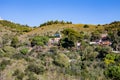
{"x": 52, "y": 29}
{"x": 14, "y": 27}
{"x": 37, "y": 54}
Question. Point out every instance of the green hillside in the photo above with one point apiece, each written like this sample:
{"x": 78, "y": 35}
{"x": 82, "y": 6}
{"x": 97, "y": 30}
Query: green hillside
{"x": 59, "y": 51}
{"x": 14, "y": 26}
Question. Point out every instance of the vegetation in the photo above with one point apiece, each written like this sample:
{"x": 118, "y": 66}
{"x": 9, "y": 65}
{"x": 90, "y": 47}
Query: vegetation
{"x": 35, "y": 55}
{"x": 18, "y": 27}
{"x": 15, "y": 42}
{"x": 86, "y": 26}
{"x": 61, "y": 60}
{"x": 35, "y": 68}
{"x": 39, "y": 40}
{"x": 70, "y": 38}
{"x": 24, "y": 51}
{"x": 54, "y": 22}
{"x": 3, "y": 64}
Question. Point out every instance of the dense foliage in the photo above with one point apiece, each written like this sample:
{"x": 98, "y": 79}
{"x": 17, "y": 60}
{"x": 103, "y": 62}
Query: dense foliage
{"x": 54, "y": 22}
{"x": 70, "y": 38}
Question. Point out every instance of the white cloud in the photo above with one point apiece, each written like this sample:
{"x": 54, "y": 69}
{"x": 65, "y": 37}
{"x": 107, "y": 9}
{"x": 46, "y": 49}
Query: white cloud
{"x": 1, "y": 18}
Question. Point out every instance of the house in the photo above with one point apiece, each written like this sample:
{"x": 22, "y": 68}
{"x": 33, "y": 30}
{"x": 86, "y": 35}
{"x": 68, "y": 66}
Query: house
{"x": 55, "y": 40}
{"x": 104, "y": 35}
{"x": 104, "y": 40}
{"x": 57, "y": 35}
{"x": 108, "y": 43}
{"x": 93, "y": 43}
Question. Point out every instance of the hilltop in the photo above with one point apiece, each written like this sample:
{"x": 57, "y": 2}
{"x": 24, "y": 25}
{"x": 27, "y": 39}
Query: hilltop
{"x": 53, "y": 28}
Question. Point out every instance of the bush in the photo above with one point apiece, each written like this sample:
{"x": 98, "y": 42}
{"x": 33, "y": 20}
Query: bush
{"x": 6, "y": 38}
{"x": 86, "y": 26}
{"x": 39, "y": 40}
{"x": 113, "y": 72}
{"x": 61, "y": 60}
{"x": 117, "y": 58}
{"x": 18, "y": 75}
{"x": 24, "y": 51}
{"x": 31, "y": 77}
{"x": 15, "y": 42}
{"x": 9, "y": 50}
{"x": 103, "y": 51}
{"x": 36, "y": 69}
{"x": 3, "y": 64}
{"x": 18, "y": 56}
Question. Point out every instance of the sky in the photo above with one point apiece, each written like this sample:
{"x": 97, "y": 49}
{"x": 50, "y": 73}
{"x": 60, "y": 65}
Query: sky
{"x": 36, "y": 12}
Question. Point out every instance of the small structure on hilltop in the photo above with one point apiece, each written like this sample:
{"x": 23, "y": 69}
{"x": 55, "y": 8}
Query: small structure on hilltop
{"x": 104, "y": 40}
{"x": 55, "y": 39}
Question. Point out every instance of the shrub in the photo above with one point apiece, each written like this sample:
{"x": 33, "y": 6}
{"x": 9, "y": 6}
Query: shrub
{"x": 113, "y": 72}
{"x": 24, "y": 51}
{"x": 86, "y": 26}
{"x": 103, "y": 51}
{"x": 39, "y": 40}
{"x": 9, "y": 50}
{"x": 6, "y": 39}
{"x": 3, "y": 64}
{"x": 18, "y": 75}
{"x": 95, "y": 36}
{"x": 14, "y": 42}
{"x": 61, "y": 60}
{"x": 117, "y": 58}
{"x": 36, "y": 69}
{"x": 18, "y": 56}
{"x": 31, "y": 77}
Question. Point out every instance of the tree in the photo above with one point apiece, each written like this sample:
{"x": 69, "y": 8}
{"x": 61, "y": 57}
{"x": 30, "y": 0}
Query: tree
{"x": 67, "y": 43}
{"x": 89, "y": 53}
{"x": 70, "y": 37}
{"x": 103, "y": 51}
{"x": 115, "y": 38}
{"x": 95, "y": 35}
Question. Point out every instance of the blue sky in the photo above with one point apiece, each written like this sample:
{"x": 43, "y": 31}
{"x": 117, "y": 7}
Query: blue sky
{"x": 35, "y": 12}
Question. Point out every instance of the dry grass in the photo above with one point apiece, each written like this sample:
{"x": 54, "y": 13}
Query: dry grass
{"x": 51, "y": 29}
